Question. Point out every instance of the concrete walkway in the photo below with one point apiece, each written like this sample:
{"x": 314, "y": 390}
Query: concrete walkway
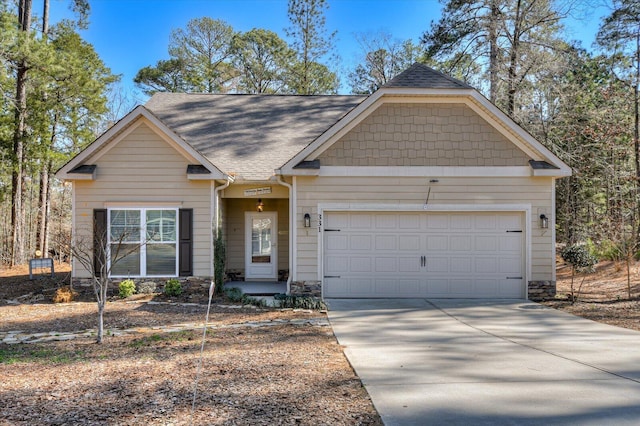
{"x": 460, "y": 362}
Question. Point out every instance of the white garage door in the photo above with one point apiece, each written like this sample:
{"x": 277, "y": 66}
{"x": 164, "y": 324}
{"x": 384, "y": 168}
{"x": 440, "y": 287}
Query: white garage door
{"x": 424, "y": 254}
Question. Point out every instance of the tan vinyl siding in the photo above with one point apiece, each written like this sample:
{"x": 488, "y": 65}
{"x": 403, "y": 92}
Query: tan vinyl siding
{"x": 409, "y": 191}
{"x": 143, "y": 168}
{"x": 235, "y": 229}
{"x": 423, "y": 135}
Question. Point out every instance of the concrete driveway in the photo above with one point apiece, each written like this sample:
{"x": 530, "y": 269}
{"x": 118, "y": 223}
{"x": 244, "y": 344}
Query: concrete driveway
{"x": 464, "y": 362}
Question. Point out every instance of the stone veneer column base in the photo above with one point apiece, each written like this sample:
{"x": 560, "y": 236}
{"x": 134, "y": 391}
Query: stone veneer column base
{"x": 542, "y": 290}
{"x": 306, "y": 288}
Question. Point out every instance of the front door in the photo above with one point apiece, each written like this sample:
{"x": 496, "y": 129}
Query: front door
{"x": 261, "y": 240}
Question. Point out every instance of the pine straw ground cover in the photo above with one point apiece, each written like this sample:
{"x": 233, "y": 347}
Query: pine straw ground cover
{"x": 604, "y": 294}
{"x": 281, "y": 374}
{"x": 284, "y": 374}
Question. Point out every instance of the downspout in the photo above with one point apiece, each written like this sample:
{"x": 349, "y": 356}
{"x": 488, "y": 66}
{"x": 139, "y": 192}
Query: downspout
{"x": 292, "y": 229}
{"x": 216, "y": 219}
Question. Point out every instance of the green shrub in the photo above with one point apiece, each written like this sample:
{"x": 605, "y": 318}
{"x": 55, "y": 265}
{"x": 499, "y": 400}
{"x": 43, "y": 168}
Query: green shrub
{"x": 300, "y": 302}
{"x": 173, "y": 288}
{"x": 126, "y": 288}
{"x": 234, "y": 294}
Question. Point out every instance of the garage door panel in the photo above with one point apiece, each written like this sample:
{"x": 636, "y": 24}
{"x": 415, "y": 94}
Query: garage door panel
{"x": 437, "y": 221}
{"x": 486, "y": 222}
{"x": 509, "y": 265}
{"x": 360, "y": 264}
{"x": 485, "y": 243}
{"x": 386, "y": 264}
{"x": 509, "y": 288}
{"x": 437, "y": 264}
{"x": 360, "y": 242}
{"x": 336, "y": 242}
{"x": 386, "y": 242}
{"x": 461, "y": 264}
{"x": 410, "y": 221}
{"x": 438, "y": 287}
{"x": 460, "y": 243}
{"x": 337, "y": 220}
{"x": 386, "y": 222}
{"x": 409, "y": 242}
{"x": 460, "y": 223}
{"x": 460, "y": 287}
{"x": 430, "y": 254}
{"x": 437, "y": 242}
{"x": 335, "y": 287}
{"x": 487, "y": 288}
{"x": 409, "y": 264}
{"x": 336, "y": 265}
{"x": 363, "y": 221}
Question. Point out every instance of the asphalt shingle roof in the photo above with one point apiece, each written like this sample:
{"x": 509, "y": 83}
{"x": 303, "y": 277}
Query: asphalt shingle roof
{"x": 252, "y": 135}
{"x": 423, "y": 77}
{"x": 249, "y": 135}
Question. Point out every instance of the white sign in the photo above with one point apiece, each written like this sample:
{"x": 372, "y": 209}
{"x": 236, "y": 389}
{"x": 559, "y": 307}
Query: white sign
{"x": 257, "y": 191}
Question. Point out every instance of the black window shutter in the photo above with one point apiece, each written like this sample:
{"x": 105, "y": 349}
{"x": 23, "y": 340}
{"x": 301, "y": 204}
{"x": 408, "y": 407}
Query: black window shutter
{"x": 99, "y": 240}
{"x": 185, "y": 251}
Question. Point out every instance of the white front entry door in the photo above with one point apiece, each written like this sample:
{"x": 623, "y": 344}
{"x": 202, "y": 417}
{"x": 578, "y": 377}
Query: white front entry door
{"x": 261, "y": 238}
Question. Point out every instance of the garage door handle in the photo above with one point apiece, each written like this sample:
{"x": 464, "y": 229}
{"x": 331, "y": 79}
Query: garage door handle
{"x": 332, "y": 276}
{"x": 514, "y": 278}
{"x": 423, "y": 261}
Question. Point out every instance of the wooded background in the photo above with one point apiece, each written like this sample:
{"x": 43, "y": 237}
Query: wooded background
{"x": 581, "y": 103}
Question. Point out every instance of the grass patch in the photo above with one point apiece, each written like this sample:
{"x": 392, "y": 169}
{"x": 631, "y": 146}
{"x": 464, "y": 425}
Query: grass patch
{"x": 20, "y": 354}
{"x": 154, "y": 339}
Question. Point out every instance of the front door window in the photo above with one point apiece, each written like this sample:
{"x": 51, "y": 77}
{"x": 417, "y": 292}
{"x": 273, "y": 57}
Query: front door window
{"x": 261, "y": 240}
{"x": 261, "y": 245}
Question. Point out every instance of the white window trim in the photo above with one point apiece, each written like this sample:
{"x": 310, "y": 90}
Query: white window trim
{"x": 143, "y": 246}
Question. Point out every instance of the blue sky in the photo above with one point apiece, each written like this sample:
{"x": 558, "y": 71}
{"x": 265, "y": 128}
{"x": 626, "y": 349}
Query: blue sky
{"x": 131, "y": 34}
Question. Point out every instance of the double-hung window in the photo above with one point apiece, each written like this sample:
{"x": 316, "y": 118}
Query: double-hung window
{"x": 143, "y": 242}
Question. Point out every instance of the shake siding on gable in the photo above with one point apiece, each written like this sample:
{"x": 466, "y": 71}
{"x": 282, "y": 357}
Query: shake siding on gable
{"x": 143, "y": 168}
{"x": 411, "y": 192}
{"x": 423, "y": 135}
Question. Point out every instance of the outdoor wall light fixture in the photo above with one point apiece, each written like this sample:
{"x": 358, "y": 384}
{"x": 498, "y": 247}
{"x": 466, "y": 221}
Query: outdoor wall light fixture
{"x": 544, "y": 221}
{"x": 260, "y": 205}
{"x": 307, "y": 220}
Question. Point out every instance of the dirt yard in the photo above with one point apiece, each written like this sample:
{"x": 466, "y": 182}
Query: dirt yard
{"x": 259, "y": 366}
{"x": 604, "y": 294}
{"x": 260, "y": 369}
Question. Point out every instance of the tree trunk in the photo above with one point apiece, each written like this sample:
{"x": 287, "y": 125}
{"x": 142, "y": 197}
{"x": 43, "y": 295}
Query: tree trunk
{"x": 43, "y": 210}
{"x": 636, "y": 135}
{"x": 513, "y": 61}
{"x": 17, "y": 178}
{"x": 100, "y": 337}
{"x": 45, "y": 18}
{"x": 493, "y": 50}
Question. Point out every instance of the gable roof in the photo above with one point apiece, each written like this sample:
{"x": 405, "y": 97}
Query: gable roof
{"x": 249, "y": 136}
{"x": 428, "y": 85}
{"x": 421, "y": 76}
{"x": 77, "y": 169}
